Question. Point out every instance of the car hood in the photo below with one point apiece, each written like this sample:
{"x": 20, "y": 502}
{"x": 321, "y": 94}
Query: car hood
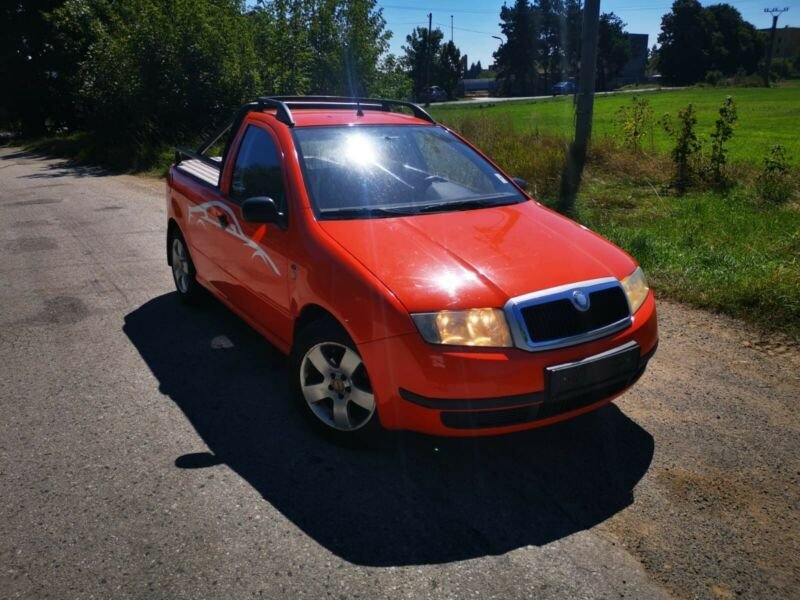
{"x": 477, "y": 258}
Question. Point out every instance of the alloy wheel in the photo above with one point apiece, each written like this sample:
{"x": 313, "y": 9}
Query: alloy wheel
{"x": 335, "y": 386}
{"x": 180, "y": 265}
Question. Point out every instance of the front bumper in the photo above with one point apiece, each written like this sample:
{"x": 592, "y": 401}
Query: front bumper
{"x": 473, "y": 391}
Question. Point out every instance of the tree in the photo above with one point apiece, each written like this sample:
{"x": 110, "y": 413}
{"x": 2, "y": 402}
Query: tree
{"x": 735, "y": 43}
{"x": 421, "y": 52}
{"x": 31, "y": 68}
{"x": 516, "y": 58}
{"x": 365, "y": 40}
{"x": 392, "y": 80}
{"x": 613, "y": 49}
{"x": 684, "y": 43}
{"x": 443, "y": 60}
{"x": 449, "y": 68}
{"x": 549, "y": 18}
{"x": 321, "y": 46}
{"x": 572, "y": 49}
{"x": 695, "y": 40}
{"x": 474, "y": 70}
{"x": 652, "y": 61}
{"x": 542, "y": 44}
{"x": 285, "y": 48}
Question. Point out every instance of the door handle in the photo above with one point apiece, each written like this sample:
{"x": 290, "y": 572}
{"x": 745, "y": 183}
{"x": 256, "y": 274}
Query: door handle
{"x": 223, "y": 220}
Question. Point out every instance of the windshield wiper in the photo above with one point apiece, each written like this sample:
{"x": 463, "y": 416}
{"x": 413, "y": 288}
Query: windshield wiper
{"x": 483, "y": 202}
{"x": 349, "y": 212}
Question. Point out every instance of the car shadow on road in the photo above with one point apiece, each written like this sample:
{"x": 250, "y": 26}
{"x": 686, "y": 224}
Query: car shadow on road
{"x": 416, "y": 500}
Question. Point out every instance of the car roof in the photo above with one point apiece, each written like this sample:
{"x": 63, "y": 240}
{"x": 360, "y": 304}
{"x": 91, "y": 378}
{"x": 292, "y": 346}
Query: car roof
{"x": 315, "y": 117}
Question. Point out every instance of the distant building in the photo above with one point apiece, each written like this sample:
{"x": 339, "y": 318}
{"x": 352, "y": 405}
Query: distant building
{"x": 633, "y": 71}
{"x": 478, "y": 87}
{"x": 787, "y": 41}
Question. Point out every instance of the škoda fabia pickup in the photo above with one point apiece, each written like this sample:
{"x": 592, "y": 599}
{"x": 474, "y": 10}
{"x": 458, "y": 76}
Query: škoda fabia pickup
{"x": 413, "y": 284}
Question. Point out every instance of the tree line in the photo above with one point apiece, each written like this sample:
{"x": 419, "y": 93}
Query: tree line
{"x": 147, "y": 72}
{"x": 143, "y": 73}
{"x": 542, "y": 45}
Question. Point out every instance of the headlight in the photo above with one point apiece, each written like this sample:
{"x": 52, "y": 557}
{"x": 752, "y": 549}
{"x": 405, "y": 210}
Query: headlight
{"x": 635, "y": 286}
{"x": 476, "y": 327}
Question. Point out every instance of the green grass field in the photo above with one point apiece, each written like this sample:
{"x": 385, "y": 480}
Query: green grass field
{"x": 767, "y": 116}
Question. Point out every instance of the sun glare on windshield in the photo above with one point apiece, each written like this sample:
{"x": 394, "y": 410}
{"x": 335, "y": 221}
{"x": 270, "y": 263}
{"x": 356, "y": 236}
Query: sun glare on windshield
{"x": 360, "y": 150}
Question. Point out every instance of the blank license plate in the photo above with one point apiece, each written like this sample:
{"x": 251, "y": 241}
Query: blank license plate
{"x": 571, "y": 379}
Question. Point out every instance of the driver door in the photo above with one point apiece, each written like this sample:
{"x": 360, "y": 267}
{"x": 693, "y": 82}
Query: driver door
{"x": 255, "y": 254}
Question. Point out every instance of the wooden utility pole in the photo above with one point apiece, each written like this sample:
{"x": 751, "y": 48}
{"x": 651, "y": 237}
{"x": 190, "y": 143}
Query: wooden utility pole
{"x": 576, "y": 156}
{"x": 775, "y": 12}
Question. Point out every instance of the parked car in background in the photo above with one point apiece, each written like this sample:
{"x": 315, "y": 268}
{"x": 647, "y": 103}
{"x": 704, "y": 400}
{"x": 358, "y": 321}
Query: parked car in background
{"x": 434, "y": 94}
{"x": 563, "y": 87}
{"x": 413, "y": 284}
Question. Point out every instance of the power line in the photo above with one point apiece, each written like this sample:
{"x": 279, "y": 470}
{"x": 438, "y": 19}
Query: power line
{"x": 441, "y": 25}
{"x": 441, "y": 9}
{"x": 469, "y": 30}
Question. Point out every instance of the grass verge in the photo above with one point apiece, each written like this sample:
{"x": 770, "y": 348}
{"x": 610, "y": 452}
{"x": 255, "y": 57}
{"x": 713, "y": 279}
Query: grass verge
{"x": 720, "y": 252}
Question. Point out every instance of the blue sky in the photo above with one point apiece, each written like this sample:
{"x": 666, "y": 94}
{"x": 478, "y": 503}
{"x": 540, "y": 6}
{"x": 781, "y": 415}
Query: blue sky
{"x": 475, "y": 21}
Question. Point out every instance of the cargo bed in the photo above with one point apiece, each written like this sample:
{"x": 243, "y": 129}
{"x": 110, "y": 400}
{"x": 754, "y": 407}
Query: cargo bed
{"x": 206, "y": 170}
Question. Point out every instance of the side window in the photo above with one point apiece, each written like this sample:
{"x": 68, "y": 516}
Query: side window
{"x": 257, "y": 171}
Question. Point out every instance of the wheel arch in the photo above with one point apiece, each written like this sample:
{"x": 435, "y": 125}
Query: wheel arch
{"x": 312, "y": 313}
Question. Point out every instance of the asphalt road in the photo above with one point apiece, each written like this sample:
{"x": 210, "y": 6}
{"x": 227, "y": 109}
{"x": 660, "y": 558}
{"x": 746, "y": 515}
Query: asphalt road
{"x": 500, "y": 100}
{"x": 148, "y": 450}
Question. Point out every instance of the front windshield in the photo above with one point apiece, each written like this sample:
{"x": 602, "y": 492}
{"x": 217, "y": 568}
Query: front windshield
{"x": 383, "y": 171}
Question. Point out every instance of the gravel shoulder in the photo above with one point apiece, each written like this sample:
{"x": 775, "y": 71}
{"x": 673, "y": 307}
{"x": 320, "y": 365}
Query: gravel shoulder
{"x": 148, "y": 450}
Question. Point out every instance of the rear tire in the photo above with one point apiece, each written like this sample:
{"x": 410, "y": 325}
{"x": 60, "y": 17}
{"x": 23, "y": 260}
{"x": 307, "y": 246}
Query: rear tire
{"x": 183, "y": 271}
{"x": 330, "y": 384}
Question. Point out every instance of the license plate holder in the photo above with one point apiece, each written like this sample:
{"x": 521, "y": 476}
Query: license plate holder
{"x": 571, "y": 379}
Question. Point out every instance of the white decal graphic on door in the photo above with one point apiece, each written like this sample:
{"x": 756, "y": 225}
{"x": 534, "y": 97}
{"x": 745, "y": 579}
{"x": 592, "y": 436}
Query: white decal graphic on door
{"x": 201, "y": 216}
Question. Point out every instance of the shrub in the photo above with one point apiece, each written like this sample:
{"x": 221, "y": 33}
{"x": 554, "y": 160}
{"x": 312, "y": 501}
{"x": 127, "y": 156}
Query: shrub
{"x": 713, "y": 77}
{"x": 637, "y": 121}
{"x": 723, "y": 131}
{"x": 687, "y": 146}
{"x": 774, "y": 184}
{"x": 781, "y": 68}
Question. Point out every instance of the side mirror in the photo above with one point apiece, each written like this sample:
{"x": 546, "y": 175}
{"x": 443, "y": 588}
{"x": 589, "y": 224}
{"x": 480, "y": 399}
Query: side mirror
{"x": 521, "y": 183}
{"x": 261, "y": 209}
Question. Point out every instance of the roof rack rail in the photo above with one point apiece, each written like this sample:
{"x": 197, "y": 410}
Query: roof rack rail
{"x": 283, "y": 114}
{"x": 354, "y": 102}
{"x": 283, "y": 106}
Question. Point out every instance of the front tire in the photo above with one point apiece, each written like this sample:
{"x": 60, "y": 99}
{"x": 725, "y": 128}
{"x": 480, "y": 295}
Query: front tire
{"x": 330, "y": 384}
{"x": 183, "y": 271}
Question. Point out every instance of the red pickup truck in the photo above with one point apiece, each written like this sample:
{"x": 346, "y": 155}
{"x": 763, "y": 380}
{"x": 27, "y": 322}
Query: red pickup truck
{"x": 413, "y": 284}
